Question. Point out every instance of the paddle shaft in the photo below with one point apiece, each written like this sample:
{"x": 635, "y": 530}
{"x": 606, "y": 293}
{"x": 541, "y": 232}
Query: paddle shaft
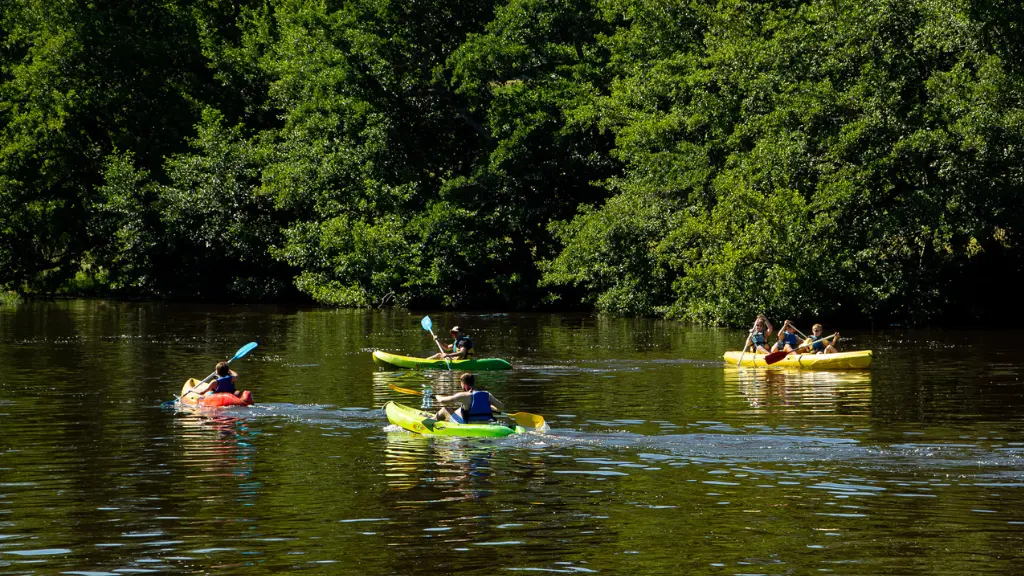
{"x": 806, "y": 345}
{"x": 429, "y": 325}
{"x": 438, "y": 342}
{"x": 804, "y": 336}
{"x": 743, "y": 351}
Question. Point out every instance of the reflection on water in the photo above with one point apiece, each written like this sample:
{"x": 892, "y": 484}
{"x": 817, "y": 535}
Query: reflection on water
{"x": 218, "y": 445}
{"x": 660, "y": 460}
{"x": 846, "y": 392}
{"x": 458, "y": 467}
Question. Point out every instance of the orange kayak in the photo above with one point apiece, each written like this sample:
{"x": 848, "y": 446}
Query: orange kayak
{"x": 215, "y": 400}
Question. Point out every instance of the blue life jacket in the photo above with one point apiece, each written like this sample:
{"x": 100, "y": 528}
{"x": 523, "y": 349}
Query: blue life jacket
{"x": 225, "y": 384}
{"x": 463, "y": 342}
{"x": 818, "y": 344}
{"x": 479, "y": 408}
{"x": 757, "y": 339}
{"x": 788, "y": 338}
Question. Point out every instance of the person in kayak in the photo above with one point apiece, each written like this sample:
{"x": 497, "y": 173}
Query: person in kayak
{"x": 758, "y": 339}
{"x": 818, "y": 345}
{"x": 461, "y": 348}
{"x": 475, "y": 405}
{"x": 225, "y": 381}
{"x": 787, "y": 339}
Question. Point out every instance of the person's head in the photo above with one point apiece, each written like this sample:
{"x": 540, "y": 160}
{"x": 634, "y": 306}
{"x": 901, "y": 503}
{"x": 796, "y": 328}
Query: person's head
{"x": 816, "y": 329}
{"x": 456, "y": 331}
{"x": 222, "y": 369}
{"x": 758, "y": 323}
{"x": 790, "y": 328}
{"x": 468, "y": 381}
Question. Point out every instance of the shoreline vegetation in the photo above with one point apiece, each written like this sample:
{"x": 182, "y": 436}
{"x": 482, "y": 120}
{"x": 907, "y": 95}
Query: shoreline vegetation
{"x": 847, "y": 161}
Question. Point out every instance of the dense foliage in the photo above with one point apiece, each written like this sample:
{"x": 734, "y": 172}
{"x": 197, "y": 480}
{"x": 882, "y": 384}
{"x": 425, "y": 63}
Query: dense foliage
{"x": 699, "y": 160}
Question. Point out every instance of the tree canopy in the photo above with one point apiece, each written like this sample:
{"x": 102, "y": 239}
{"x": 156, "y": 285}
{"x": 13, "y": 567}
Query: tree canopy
{"x": 857, "y": 161}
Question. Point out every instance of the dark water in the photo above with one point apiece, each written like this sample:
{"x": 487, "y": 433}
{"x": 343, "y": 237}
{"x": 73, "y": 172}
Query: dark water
{"x": 661, "y": 460}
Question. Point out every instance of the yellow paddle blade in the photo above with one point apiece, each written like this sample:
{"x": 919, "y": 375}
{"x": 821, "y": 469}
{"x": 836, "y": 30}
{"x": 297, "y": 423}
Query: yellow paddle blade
{"x": 405, "y": 390}
{"x": 527, "y": 420}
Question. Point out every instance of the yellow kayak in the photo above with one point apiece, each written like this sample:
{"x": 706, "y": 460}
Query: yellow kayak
{"x": 422, "y": 422}
{"x": 855, "y": 360}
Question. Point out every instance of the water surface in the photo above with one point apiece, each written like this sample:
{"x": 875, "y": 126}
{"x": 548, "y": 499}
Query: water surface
{"x": 660, "y": 460}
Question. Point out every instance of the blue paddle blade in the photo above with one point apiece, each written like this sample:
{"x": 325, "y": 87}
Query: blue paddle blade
{"x": 427, "y": 324}
{"x": 243, "y": 351}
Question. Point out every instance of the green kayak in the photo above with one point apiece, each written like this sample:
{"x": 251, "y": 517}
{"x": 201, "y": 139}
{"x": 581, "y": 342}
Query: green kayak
{"x": 422, "y": 422}
{"x": 387, "y": 360}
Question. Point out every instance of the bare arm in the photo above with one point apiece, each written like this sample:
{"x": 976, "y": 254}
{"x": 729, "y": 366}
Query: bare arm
{"x": 444, "y": 346}
{"x": 495, "y": 403}
{"x": 457, "y": 397}
{"x": 459, "y": 354}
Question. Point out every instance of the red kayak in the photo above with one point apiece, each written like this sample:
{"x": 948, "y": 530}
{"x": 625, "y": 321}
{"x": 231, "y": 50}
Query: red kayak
{"x": 215, "y": 400}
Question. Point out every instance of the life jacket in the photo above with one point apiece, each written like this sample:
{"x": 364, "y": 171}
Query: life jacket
{"x": 789, "y": 338}
{"x": 817, "y": 344}
{"x": 225, "y": 384}
{"x": 479, "y": 408}
{"x": 463, "y": 341}
{"x": 757, "y": 339}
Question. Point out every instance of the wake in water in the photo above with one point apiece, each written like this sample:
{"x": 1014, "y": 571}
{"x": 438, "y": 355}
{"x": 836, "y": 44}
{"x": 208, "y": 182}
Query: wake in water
{"x": 718, "y": 444}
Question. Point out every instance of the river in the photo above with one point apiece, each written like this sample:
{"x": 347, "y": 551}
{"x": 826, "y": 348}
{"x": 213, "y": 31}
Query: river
{"x": 660, "y": 459}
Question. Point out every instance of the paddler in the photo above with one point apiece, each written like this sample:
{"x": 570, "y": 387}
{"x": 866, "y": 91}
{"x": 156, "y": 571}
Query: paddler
{"x": 818, "y": 345}
{"x": 787, "y": 338}
{"x": 225, "y": 381}
{"x": 460, "y": 349}
{"x": 759, "y": 335}
{"x": 475, "y": 405}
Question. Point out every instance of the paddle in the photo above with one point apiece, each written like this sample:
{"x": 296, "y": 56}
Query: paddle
{"x": 745, "y": 344}
{"x": 774, "y": 357}
{"x": 524, "y": 419}
{"x": 429, "y": 327}
{"x": 240, "y": 354}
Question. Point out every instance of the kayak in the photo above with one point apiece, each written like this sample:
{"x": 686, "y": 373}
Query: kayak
{"x": 388, "y": 360}
{"x": 424, "y": 423}
{"x": 858, "y": 359}
{"x": 215, "y": 400}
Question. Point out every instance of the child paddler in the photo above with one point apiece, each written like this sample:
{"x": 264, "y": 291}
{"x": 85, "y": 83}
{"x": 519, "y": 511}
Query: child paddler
{"x": 225, "y": 381}
{"x": 475, "y": 406}
{"x": 758, "y": 339}
{"x": 787, "y": 338}
{"x": 818, "y": 345}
